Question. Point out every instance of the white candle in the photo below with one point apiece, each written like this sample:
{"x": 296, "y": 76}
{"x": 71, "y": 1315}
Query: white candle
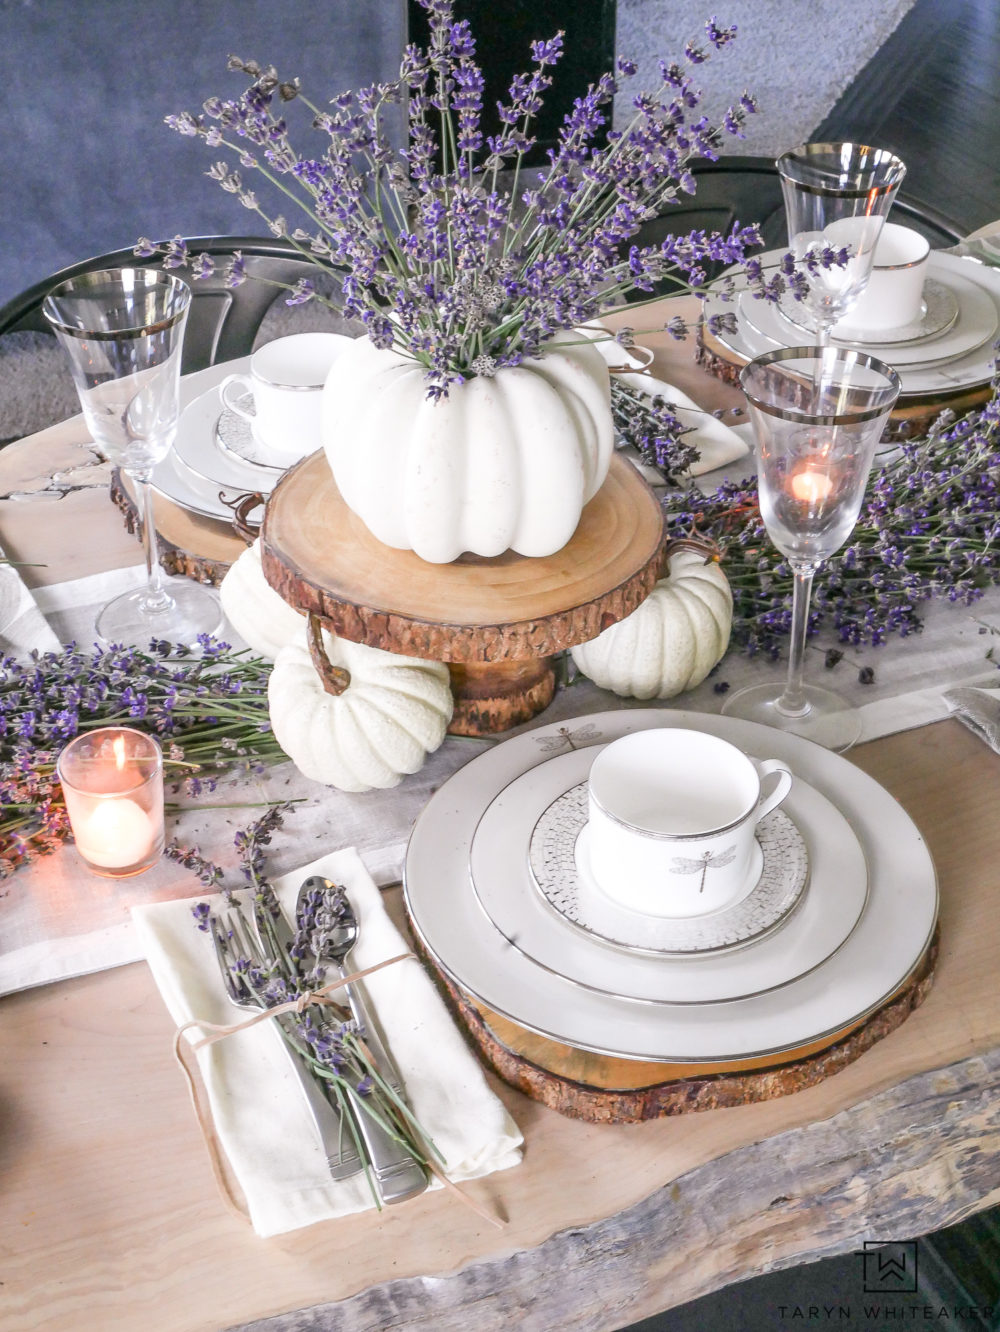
{"x": 810, "y": 485}
{"x": 112, "y": 781}
{"x": 116, "y": 835}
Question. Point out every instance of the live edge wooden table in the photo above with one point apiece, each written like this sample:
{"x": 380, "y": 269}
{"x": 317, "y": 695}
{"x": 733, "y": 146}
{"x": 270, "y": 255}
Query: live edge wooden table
{"x": 109, "y": 1217}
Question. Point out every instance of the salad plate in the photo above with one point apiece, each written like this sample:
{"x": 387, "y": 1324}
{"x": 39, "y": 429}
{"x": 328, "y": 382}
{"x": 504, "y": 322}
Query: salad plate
{"x": 876, "y": 959}
{"x": 203, "y": 426}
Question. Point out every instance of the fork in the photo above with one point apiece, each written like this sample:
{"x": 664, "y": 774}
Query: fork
{"x": 232, "y": 942}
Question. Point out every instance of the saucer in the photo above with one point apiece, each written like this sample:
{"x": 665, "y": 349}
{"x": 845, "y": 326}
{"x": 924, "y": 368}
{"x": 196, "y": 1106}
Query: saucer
{"x": 939, "y": 313}
{"x": 238, "y": 439}
{"x": 559, "y": 863}
{"x": 197, "y": 449}
{"x": 825, "y": 917}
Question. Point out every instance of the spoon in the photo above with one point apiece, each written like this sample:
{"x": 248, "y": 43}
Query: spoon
{"x": 398, "y": 1175}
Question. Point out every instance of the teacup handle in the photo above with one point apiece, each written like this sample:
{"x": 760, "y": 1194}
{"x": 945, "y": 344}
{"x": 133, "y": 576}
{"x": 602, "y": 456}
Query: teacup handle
{"x": 765, "y": 767}
{"x": 246, "y": 384}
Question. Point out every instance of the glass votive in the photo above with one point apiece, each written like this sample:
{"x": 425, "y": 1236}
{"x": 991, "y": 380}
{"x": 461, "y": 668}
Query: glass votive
{"x": 112, "y": 780}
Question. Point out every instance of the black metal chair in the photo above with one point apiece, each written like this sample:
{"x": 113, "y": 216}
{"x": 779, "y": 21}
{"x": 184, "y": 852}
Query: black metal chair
{"x": 223, "y": 321}
{"x": 748, "y": 189}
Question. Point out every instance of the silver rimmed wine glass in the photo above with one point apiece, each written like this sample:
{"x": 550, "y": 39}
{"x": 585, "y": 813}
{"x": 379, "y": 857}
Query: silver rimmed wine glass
{"x": 813, "y": 460}
{"x": 837, "y": 195}
{"x": 123, "y": 329}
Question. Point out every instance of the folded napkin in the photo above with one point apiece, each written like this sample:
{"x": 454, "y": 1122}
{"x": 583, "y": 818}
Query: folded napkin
{"x": 979, "y": 710}
{"x": 22, "y": 626}
{"x": 258, "y": 1109}
{"x": 717, "y": 444}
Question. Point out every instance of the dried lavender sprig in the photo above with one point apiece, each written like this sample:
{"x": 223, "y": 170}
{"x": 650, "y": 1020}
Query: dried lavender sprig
{"x": 334, "y": 1050}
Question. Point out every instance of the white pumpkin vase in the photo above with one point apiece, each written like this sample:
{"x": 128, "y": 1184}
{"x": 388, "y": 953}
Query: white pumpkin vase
{"x": 355, "y": 717}
{"x": 672, "y": 641}
{"x": 503, "y": 463}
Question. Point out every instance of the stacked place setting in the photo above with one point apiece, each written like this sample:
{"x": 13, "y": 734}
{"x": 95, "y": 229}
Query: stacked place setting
{"x": 241, "y": 436}
{"x": 940, "y": 343}
{"x": 665, "y": 945}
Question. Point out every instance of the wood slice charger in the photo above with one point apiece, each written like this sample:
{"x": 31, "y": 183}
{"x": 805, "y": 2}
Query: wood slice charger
{"x": 496, "y": 622}
{"x": 605, "y": 1090}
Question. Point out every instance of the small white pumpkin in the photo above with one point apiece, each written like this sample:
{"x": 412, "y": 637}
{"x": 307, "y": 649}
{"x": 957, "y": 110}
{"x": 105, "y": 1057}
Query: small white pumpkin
{"x": 262, "y": 618}
{"x": 502, "y": 463}
{"x": 353, "y": 716}
{"x": 672, "y": 641}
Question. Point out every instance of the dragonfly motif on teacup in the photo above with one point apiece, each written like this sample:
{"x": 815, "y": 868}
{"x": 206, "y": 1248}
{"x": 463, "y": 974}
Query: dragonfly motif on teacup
{"x": 705, "y": 862}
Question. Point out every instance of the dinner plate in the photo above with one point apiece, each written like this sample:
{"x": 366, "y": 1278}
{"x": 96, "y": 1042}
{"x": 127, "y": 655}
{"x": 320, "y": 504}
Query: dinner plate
{"x": 976, "y": 324}
{"x": 559, "y": 865}
{"x": 204, "y": 498}
{"x": 970, "y": 370}
{"x": 501, "y": 880}
{"x": 883, "y": 950}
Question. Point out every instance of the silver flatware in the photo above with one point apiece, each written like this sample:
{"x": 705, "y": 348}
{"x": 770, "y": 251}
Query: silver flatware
{"x": 398, "y": 1175}
{"x": 234, "y": 943}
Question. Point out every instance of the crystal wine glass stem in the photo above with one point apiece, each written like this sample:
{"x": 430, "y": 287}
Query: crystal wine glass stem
{"x": 156, "y": 597}
{"x": 792, "y": 702}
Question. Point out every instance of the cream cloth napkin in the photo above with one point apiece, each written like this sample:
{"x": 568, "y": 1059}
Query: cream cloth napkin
{"x": 718, "y": 445}
{"x": 258, "y": 1109}
{"x": 979, "y": 710}
{"x": 22, "y": 626}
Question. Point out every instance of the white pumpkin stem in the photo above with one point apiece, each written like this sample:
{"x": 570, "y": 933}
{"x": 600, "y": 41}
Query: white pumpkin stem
{"x": 335, "y": 679}
{"x": 701, "y": 545}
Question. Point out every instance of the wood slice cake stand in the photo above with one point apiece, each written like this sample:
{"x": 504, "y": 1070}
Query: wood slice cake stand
{"x": 604, "y": 1090}
{"x": 496, "y": 622}
{"x": 909, "y": 419}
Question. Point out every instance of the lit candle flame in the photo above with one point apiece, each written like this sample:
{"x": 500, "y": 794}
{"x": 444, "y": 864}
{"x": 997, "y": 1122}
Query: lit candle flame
{"x": 118, "y": 748}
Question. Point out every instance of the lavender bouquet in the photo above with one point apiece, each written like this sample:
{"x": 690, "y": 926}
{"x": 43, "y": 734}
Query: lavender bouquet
{"x": 450, "y": 251}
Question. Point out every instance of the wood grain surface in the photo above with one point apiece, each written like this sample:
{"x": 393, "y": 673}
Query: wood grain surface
{"x": 110, "y": 1218}
{"x": 323, "y": 560}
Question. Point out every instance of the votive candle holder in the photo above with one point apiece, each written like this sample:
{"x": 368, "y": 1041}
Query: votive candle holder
{"x": 112, "y": 781}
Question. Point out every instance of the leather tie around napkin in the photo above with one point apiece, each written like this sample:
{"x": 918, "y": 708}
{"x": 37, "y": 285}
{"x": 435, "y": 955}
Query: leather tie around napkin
{"x": 257, "y": 1107}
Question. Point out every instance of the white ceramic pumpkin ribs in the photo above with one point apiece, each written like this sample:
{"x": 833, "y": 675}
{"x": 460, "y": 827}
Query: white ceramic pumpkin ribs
{"x": 502, "y": 463}
{"x": 355, "y": 717}
{"x": 672, "y": 641}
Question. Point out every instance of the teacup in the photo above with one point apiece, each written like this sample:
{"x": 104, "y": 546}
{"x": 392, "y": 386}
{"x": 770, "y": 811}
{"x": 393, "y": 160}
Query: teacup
{"x": 672, "y": 815}
{"x": 894, "y": 294}
{"x": 286, "y": 380}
